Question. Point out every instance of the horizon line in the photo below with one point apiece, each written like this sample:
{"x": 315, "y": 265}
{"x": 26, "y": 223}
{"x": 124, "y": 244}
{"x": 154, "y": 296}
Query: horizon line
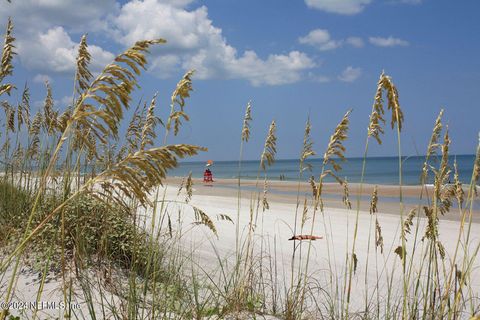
{"x": 319, "y": 158}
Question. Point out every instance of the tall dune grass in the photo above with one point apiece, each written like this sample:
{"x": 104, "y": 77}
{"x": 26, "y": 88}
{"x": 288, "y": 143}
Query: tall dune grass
{"x": 88, "y": 203}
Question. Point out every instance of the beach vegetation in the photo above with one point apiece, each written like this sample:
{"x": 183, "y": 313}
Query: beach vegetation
{"x": 88, "y": 207}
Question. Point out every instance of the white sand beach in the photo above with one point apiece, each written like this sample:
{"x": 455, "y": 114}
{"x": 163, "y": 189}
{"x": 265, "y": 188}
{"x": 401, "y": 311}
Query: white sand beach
{"x": 275, "y": 227}
{"x": 337, "y": 228}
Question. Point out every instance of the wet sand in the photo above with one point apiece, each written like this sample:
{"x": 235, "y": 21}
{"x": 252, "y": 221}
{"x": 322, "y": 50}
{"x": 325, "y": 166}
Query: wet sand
{"x": 286, "y": 192}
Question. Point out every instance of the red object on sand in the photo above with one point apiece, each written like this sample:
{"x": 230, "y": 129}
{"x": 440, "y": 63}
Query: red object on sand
{"x": 207, "y": 176}
{"x": 305, "y": 237}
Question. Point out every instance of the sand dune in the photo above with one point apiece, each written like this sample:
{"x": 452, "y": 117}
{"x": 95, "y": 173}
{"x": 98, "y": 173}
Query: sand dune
{"x": 336, "y": 226}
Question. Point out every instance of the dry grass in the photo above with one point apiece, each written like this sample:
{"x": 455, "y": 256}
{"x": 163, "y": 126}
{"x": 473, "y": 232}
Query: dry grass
{"x": 78, "y": 168}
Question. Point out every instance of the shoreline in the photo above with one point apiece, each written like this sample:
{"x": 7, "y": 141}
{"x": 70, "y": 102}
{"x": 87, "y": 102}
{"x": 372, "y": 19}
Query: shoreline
{"x": 285, "y": 192}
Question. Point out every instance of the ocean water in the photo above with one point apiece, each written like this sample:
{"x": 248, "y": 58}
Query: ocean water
{"x": 379, "y": 170}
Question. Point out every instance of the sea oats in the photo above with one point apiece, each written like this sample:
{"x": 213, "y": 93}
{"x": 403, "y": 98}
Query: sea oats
{"x": 333, "y": 175}
{"x": 376, "y": 122}
{"x": 79, "y": 137}
{"x": 374, "y": 201}
{"x": 431, "y": 229}
{"x": 224, "y": 217}
{"x": 5, "y": 147}
{"x": 476, "y": 167}
{"x": 355, "y": 262}
{"x": 8, "y": 52}
{"x": 182, "y": 185}
{"x": 304, "y": 213}
{"x": 121, "y": 153}
{"x": 378, "y": 236}
{"x": 316, "y": 192}
{"x": 376, "y": 117}
{"x": 64, "y": 118}
{"x": 148, "y": 134}
{"x": 447, "y": 193}
{"x": 246, "y": 122}
{"x": 346, "y": 194}
{"x": 444, "y": 163}
{"x": 443, "y": 192}
{"x": 181, "y": 92}
{"x": 270, "y": 147}
{"x": 138, "y": 173}
{"x": 83, "y": 74}
{"x": 35, "y": 127}
{"x": 307, "y": 150}
{"x": 6, "y": 88}
{"x": 459, "y": 193}
{"x": 378, "y": 228}
{"x": 169, "y": 224}
{"x": 49, "y": 114}
{"x": 20, "y": 116}
{"x": 393, "y": 104}
{"x": 437, "y": 129}
{"x": 18, "y": 156}
{"x": 265, "y": 205}
{"x": 314, "y": 186}
{"x": 34, "y": 132}
{"x": 33, "y": 147}
{"x": 335, "y": 145}
{"x": 9, "y": 116}
{"x": 91, "y": 144}
{"x": 462, "y": 280}
{"x": 401, "y": 252}
{"x": 433, "y": 144}
{"x": 189, "y": 187}
{"x": 23, "y": 110}
{"x": 441, "y": 249}
{"x": 134, "y": 130}
{"x": 408, "y": 223}
{"x": 203, "y": 219}
{"x": 112, "y": 89}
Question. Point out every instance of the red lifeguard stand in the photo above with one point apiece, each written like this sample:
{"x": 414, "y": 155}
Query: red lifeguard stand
{"x": 207, "y": 175}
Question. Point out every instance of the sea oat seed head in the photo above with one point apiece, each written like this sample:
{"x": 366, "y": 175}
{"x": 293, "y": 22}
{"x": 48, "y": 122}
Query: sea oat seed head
{"x": 335, "y": 146}
{"x": 246, "y": 123}
{"x": 270, "y": 147}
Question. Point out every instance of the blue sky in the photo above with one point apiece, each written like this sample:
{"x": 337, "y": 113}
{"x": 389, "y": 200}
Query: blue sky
{"x": 290, "y": 58}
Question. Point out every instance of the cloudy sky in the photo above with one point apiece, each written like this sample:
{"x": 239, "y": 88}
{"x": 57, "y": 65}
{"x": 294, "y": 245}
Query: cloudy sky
{"x": 290, "y": 58}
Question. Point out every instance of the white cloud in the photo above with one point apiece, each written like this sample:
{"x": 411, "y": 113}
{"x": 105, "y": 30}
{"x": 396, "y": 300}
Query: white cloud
{"x": 45, "y": 29}
{"x": 54, "y": 51}
{"x": 347, "y": 7}
{"x": 178, "y": 3}
{"x": 356, "y": 42}
{"x": 275, "y": 70}
{"x": 350, "y": 74}
{"x": 318, "y": 78}
{"x": 387, "y": 42}
{"x": 409, "y": 1}
{"x": 320, "y": 38}
{"x": 65, "y": 101}
{"x": 194, "y": 42}
{"x": 42, "y": 78}
{"x": 165, "y": 65}
{"x": 43, "y": 43}
{"x": 34, "y": 15}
